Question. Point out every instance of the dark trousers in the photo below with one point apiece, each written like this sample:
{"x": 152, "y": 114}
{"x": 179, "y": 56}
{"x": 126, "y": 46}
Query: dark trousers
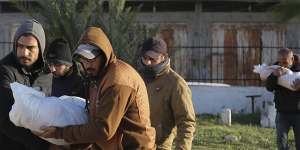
{"x": 284, "y": 121}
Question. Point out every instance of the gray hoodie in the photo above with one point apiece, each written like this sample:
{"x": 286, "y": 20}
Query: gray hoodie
{"x": 11, "y": 136}
{"x": 35, "y": 28}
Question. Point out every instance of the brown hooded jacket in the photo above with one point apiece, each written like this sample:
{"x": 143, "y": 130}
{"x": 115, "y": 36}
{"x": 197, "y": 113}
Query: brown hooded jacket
{"x": 119, "y": 107}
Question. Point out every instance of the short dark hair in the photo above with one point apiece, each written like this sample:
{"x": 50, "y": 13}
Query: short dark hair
{"x": 27, "y": 34}
{"x": 285, "y": 51}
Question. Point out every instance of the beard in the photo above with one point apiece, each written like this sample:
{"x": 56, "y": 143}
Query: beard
{"x": 25, "y": 61}
{"x": 91, "y": 72}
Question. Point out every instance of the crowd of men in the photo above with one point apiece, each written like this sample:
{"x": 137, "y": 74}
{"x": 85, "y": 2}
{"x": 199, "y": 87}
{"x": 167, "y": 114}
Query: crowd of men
{"x": 144, "y": 108}
{"x": 147, "y": 107}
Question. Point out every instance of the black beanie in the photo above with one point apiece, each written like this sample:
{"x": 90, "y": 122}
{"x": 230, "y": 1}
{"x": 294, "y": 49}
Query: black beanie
{"x": 154, "y": 44}
{"x": 59, "y": 53}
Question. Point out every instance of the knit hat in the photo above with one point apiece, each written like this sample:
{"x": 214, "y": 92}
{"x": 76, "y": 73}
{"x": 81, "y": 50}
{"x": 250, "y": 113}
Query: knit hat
{"x": 59, "y": 53}
{"x": 154, "y": 46}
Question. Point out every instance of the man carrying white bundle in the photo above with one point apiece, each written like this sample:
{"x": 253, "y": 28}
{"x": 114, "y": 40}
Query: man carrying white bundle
{"x": 25, "y": 65}
{"x": 33, "y": 110}
{"x": 287, "y": 102}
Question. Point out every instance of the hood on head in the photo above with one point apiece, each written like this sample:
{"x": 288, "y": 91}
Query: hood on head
{"x": 96, "y": 37}
{"x": 35, "y": 28}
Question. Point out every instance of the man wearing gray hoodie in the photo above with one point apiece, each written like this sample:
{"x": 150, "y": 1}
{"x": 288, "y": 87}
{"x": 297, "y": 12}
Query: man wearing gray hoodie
{"x": 25, "y": 65}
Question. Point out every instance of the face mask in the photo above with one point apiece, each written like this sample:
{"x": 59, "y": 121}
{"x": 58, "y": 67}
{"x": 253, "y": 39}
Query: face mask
{"x": 153, "y": 71}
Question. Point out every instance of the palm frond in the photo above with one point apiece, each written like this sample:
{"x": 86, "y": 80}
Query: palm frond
{"x": 69, "y": 18}
{"x": 287, "y": 10}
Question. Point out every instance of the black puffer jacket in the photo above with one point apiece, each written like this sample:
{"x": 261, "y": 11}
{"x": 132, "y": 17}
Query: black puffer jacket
{"x": 12, "y": 137}
{"x": 72, "y": 84}
{"x": 286, "y": 101}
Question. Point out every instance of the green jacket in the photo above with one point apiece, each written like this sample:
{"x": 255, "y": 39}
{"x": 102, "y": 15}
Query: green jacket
{"x": 171, "y": 107}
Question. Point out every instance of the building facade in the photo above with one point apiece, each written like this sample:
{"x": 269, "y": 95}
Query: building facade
{"x": 209, "y": 40}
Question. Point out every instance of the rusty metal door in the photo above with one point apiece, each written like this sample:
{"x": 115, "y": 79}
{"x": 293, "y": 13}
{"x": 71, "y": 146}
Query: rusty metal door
{"x": 245, "y": 45}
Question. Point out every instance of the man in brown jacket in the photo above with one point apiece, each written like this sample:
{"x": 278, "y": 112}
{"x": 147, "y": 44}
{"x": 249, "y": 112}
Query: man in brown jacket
{"x": 171, "y": 104}
{"x": 119, "y": 116}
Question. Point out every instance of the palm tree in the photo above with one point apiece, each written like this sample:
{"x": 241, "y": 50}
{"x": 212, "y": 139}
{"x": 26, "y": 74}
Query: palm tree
{"x": 69, "y": 18}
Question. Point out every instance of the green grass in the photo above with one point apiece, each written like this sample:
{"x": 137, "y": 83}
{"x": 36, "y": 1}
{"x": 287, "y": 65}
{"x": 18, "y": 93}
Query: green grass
{"x": 210, "y": 134}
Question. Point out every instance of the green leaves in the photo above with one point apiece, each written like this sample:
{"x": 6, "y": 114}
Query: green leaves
{"x": 69, "y": 18}
{"x": 287, "y": 10}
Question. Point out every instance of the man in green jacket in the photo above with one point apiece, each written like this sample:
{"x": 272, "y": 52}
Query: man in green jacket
{"x": 171, "y": 107}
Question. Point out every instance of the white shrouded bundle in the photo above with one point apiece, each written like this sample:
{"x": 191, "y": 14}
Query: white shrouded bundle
{"x": 32, "y": 110}
{"x": 285, "y": 80}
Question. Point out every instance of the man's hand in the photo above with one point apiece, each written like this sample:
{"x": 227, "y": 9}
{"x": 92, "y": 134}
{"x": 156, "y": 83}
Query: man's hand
{"x": 36, "y": 133}
{"x": 296, "y": 84}
{"x": 279, "y": 72}
{"x": 47, "y": 132}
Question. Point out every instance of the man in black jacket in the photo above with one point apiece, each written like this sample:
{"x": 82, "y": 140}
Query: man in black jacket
{"x": 67, "y": 77}
{"x": 287, "y": 102}
{"x": 24, "y": 65}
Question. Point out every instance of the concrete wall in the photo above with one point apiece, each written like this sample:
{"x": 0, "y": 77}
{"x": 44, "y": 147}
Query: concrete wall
{"x": 213, "y": 98}
{"x": 8, "y": 26}
{"x": 198, "y": 25}
{"x": 192, "y": 29}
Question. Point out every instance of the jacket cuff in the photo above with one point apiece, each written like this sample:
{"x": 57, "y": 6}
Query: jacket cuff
{"x": 58, "y": 133}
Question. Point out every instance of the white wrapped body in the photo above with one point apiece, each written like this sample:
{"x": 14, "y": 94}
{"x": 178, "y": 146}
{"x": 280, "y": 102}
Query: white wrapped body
{"x": 32, "y": 110}
{"x": 285, "y": 80}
